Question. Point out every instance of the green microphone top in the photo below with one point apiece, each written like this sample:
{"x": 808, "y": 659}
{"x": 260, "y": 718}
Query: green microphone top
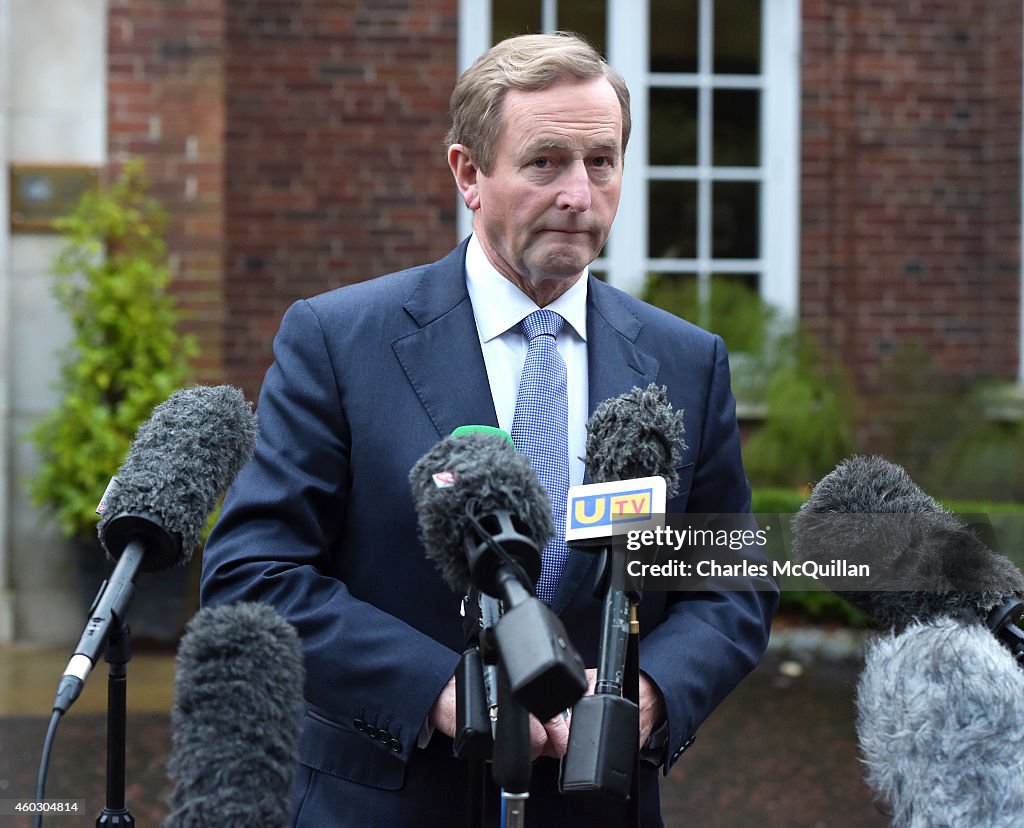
{"x": 483, "y": 429}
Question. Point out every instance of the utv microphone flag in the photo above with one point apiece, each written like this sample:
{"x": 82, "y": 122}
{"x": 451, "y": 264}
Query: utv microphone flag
{"x": 599, "y": 510}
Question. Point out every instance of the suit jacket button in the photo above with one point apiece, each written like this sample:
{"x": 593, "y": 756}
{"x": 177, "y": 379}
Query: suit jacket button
{"x": 360, "y": 725}
{"x": 682, "y": 750}
{"x": 395, "y": 745}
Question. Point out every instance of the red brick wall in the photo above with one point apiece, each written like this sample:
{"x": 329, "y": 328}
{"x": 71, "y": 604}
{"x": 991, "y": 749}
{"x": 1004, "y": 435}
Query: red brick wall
{"x": 336, "y": 165}
{"x": 298, "y": 144}
{"x": 911, "y": 183}
{"x": 166, "y": 104}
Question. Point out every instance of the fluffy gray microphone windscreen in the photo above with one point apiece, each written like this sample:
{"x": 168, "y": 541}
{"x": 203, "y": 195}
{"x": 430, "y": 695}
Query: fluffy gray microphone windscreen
{"x": 235, "y": 719}
{"x": 637, "y": 434}
{"x": 481, "y": 471}
{"x": 924, "y": 562}
{"x": 181, "y": 460}
{"x": 940, "y": 718}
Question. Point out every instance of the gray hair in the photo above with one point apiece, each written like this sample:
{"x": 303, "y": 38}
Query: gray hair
{"x": 527, "y": 63}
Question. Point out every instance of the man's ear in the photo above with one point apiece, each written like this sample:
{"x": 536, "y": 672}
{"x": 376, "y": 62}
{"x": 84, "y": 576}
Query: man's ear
{"x": 466, "y": 174}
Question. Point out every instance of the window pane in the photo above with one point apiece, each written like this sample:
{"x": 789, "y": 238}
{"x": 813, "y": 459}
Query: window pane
{"x": 585, "y": 17}
{"x": 513, "y": 17}
{"x": 672, "y": 211}
{"x": 673, "y": 126}
{"x": 673, "y": 35}
{"x": 737, "y": 37}
{"x": 734, "y": 220}
{"x": 736, "y": 141}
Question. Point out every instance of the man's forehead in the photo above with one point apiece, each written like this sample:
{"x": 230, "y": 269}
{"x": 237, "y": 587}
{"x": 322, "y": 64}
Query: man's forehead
{"x": 567, "y": 115}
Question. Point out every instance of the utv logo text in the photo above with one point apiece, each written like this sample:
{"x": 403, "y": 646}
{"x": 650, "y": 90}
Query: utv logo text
{"x": 597, "y": 510}
{"x": 606, "y": 510}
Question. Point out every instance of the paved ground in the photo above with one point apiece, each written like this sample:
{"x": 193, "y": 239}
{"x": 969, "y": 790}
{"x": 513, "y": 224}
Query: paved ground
{"x": 780, "y": 752}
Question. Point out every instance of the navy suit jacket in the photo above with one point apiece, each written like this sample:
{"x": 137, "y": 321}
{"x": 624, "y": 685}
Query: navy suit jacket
{"x": 321, "y": 525}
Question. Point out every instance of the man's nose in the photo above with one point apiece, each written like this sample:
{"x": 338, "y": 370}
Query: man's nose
{"x": 575, "y": 194}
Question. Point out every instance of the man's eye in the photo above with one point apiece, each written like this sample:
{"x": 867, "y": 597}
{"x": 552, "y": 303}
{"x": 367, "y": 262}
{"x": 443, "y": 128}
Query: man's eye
{"x": 601, "y": 161}
{"x": 541, "y": 163}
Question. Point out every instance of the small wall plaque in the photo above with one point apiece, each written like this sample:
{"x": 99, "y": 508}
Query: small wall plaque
{"x": 42, "y": 192}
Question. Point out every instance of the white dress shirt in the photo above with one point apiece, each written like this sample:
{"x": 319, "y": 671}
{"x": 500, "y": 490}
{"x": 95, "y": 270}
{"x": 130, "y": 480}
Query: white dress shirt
{"x": 499, "y": 306}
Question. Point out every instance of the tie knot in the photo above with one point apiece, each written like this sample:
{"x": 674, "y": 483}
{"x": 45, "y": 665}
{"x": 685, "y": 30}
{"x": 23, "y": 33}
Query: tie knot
{"x": 541, "y": 322}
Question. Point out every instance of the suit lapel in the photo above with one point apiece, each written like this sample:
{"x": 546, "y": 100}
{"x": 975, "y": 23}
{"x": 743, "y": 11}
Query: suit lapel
{"x": 616, "y": 365}
{"x": 442, "y": 358}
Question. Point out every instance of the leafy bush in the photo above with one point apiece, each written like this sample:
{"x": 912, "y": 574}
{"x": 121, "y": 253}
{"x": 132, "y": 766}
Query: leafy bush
{"x": 959, "y": 438}
{"x": 125, "y": 355}
{"x": 983, "y": 456}
{"x": 808, "y": 402}
{"x": 808, "y": 424}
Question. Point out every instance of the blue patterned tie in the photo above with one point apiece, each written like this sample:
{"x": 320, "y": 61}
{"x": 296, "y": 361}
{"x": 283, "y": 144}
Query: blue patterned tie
{"x": 540, "y": 430}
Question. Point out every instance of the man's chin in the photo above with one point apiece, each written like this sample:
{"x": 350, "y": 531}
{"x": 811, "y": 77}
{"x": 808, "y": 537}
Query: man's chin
{"x": 564, "y": 266}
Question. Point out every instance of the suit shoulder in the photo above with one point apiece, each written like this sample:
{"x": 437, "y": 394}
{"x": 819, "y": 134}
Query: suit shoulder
{"x": 392, "y": 287}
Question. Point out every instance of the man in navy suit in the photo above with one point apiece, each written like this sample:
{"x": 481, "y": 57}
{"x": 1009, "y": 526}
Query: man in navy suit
{"x": 366, "y": 379}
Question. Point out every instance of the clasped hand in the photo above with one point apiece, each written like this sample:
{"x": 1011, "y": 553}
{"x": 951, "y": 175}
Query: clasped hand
{"x": 551, "y": 738}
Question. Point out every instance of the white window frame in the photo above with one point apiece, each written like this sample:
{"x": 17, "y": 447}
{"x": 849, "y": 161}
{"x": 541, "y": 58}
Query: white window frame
{"x": 779, "y": 170}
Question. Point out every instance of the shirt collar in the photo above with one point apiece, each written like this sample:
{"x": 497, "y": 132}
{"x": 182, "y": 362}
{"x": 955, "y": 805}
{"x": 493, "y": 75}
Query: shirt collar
{"x": 499, "y": 305}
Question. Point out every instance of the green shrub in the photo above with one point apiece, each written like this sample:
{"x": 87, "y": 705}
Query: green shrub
{"x": 125, "y": 355}
{"x": 808, "y": 424}
{"x": 808, "y": 402}
{"x": 958, "y": 438}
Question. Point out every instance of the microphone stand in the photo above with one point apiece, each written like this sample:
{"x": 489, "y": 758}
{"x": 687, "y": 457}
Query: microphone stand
{"x": 475, "y": 701}
{"x": 118, "y": 654}
{"x": 603, "y": 749}
{"x": 632, "y": 692}
{"x": 537, "y": 669}
{"x": 512, "y": 766}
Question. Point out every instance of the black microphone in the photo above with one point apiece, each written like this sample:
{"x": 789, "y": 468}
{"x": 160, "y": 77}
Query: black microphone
{"x": 635, "y": 435}
{"x": 923, "y": 562}
{"x": 483, "y": 518}
{"x": 235, "y": 719}
{"x": 940, "y": 718}
{"x": 475, "y": 485}
{"x": 180, "y": 460}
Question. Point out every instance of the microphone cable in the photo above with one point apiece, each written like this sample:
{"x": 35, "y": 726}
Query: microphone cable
{"x": 44, "y": 764}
